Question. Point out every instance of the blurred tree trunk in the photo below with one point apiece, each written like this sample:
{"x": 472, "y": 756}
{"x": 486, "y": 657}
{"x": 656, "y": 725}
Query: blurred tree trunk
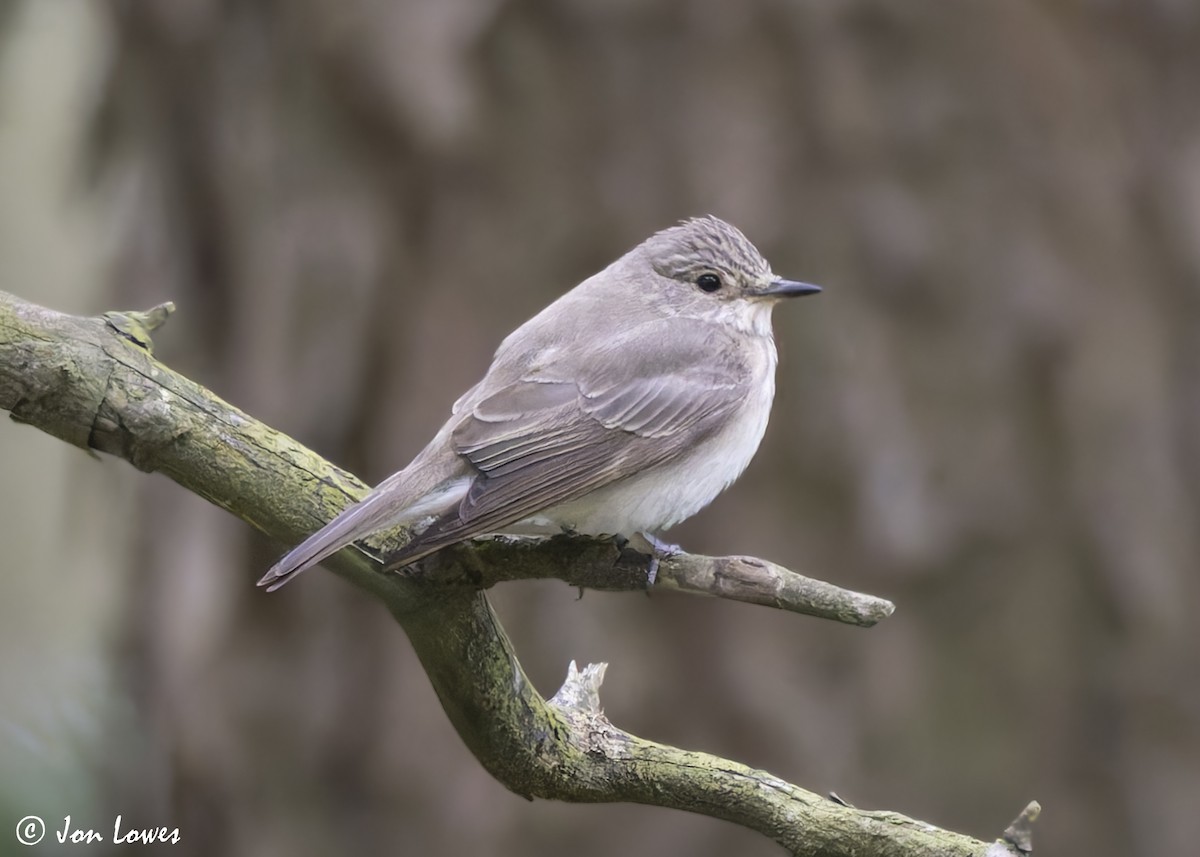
{"x": 992, "y": 415}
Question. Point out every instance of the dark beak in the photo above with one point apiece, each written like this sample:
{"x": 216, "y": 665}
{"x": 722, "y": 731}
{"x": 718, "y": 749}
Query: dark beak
{"x": 788, "y": 289}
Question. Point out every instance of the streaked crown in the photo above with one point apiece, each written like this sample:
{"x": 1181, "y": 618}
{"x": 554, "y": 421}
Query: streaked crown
{"x": 705, "y": 243}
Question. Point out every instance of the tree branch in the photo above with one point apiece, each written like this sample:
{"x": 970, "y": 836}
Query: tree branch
{"x": 94, "y": 383}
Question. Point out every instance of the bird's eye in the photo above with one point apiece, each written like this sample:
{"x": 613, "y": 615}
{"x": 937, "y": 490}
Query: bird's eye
{"x": 708, "y": 282}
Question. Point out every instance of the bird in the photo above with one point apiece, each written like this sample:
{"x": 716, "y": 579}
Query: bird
{"x": 621, "y": 409}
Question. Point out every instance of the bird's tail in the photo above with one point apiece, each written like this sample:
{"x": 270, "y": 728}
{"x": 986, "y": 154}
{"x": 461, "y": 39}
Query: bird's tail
{"x": 353, "y": 523}
{"x": 390, "y": 504}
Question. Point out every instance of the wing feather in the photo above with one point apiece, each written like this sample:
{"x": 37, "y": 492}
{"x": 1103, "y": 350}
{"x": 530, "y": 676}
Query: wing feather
{"x": 546, "y": 439}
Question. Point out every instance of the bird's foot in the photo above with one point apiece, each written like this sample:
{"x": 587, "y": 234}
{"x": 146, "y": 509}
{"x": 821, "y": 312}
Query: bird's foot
{"x": 659, "y": 550}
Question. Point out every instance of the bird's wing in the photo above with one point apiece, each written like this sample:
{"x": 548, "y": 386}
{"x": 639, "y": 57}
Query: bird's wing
{"x": 547, "y": 439}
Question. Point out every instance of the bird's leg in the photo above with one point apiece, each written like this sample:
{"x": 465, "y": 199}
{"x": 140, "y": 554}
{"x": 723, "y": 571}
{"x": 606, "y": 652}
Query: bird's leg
{"x": 659, "y": 550}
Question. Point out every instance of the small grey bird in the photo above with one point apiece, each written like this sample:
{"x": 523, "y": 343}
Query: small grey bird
{"x": 622, "y": 408}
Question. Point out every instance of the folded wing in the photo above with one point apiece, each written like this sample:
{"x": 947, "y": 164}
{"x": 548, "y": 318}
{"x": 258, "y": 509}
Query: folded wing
{"x": 547, "y": 439}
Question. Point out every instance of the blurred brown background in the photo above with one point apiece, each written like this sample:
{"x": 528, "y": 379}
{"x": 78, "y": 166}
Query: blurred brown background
{"x": 992, "y": 416}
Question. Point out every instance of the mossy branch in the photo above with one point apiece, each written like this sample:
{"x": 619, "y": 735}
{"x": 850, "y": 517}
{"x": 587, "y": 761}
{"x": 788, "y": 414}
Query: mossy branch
{"x": 94, "y": 383}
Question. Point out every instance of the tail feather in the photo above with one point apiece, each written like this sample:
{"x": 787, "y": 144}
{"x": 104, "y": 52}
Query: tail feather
{"x": 353, "y": 523}
{"x": 387, "y": 506}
